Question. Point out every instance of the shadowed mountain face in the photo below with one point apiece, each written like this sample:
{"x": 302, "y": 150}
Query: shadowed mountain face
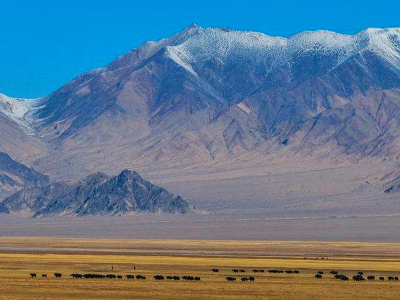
{"x": 211, "y": 94}
{"x": 98, "y": 194}
{"x": 14, "y": 176}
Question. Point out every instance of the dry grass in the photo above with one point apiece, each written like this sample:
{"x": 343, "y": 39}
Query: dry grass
{"x": 16, "y": 284}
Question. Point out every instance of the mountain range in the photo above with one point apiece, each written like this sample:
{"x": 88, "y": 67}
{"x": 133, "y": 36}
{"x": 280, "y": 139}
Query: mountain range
{"x": 98, "y": 194}
{"x": 209, "y": 95}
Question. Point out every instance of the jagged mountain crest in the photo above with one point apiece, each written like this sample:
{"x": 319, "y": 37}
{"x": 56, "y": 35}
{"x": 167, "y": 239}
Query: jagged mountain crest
{"x": 97, "y": 194}
{"x": 15, "y": 175}
{"x": 208, "y": 94}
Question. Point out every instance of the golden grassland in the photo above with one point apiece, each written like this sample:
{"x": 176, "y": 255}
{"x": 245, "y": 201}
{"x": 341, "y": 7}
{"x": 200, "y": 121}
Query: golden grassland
{"x": 201, "y": 247}
{"x": 77, "y": 256}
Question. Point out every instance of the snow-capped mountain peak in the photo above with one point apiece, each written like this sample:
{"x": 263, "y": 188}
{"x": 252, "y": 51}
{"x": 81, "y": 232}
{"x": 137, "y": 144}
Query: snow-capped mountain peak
{"x": 384, "y": 42}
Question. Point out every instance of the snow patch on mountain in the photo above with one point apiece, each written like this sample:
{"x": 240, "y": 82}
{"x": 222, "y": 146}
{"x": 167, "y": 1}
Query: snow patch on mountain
{"x": 16, "y": 110}
{"x": 244, "y": 107}
{"x": 211, "y": 43}
{"x": 385, "y": 42}
{"x": 174, "y": 54}
{"x": 195, "y": 46}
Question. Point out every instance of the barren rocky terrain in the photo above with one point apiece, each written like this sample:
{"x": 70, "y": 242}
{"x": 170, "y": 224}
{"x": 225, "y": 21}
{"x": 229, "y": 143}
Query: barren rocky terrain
{"x": 248, "y": 127}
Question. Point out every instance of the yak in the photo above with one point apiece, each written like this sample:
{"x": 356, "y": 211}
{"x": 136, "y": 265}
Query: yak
{"x": 188, "y": 278}
{"x": 341, "y": 277}
{"x": 358, "y": 278}
{"x": 333, "y": 272}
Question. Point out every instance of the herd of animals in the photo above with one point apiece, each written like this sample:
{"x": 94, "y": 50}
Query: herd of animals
{"x": 357, "y": 277}
{"x": 320, "y": 275}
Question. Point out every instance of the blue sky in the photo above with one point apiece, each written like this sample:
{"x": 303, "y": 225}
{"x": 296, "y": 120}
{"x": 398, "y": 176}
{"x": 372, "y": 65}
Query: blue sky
{"x": 44, "y": 44}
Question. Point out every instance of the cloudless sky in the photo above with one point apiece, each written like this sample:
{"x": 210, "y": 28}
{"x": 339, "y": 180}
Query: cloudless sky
{"x": 46, "y": 43}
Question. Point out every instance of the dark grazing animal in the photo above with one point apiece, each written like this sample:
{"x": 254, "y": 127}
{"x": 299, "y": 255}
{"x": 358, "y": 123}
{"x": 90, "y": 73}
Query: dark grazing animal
{"x": 44, "y": 276}
{"x": 119, "y": 276}
{"x": 235, "y": 271}
{"x": 129, "y": 276}
{"x": 93, "y": 276}
{"x": 371, "y": 277}
{"x": 229, "y": 278}
{"x": 140, "y": 277}
{"x": 158, "y": 277}
{"x": 33, "y": 275}
{"x": 341, "y": 277}
{"x": 76, "y": 276}
{"x": 57, "y": 275}
{"x": 258, "y": 271}
{"x": 188, "y": 278}
{"x": 215, "y": 270}
{"x": 382, "y": 278}
{"x": 360, "y": 273}
{"x": 111, "y": 276}
{"x": 320, "y": 272}
{"x": 391, "y": 278}
{"x": 318, "y": 276}
{"x": 358, "y": 278}
{"x": 396, "y": 278}
{"x": 333, "y": 272}
{"x": 242, "y": 271}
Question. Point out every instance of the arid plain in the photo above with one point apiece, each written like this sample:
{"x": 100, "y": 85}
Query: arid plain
{"x": 21, "y": 256}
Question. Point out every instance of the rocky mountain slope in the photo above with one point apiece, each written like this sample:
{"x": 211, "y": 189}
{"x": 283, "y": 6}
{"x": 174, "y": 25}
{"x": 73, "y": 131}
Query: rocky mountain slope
{"x": 17, "y": 136}
{"x": 97, "y": 194}
{"x": 208, "y": 95}
{"x": 14, "y": 176}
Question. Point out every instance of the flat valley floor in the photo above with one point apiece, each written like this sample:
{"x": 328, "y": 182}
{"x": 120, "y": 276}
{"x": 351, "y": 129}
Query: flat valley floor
{"x": 251, "y": 199}
{"x": 21, "y": 256}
